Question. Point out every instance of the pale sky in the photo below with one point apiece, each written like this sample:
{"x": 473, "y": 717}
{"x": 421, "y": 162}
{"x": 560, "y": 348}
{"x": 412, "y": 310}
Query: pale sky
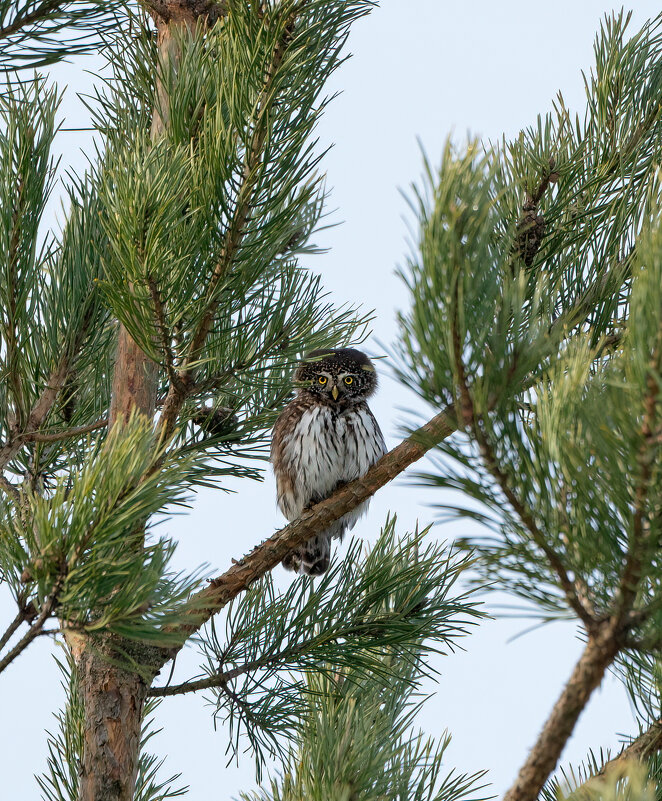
{"x": 421, "y": 69}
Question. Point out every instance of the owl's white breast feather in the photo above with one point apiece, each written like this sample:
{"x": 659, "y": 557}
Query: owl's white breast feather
{"x": 325, "y": 448}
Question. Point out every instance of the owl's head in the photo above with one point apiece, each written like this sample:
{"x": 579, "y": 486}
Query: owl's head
{"x": 339, "y": 376}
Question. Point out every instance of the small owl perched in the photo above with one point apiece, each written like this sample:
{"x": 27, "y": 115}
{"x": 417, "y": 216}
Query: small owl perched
{"x": 326, "y": 436}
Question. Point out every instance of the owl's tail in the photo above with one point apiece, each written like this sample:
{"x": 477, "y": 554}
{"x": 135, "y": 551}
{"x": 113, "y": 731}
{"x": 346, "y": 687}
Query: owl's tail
{"x": 312, "y": 558}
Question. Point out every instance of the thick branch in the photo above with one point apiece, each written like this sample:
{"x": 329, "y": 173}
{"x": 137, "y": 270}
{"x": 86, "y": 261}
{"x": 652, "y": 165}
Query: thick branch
{"x": 643, "y": 747}
{"x": 600, "y": 652}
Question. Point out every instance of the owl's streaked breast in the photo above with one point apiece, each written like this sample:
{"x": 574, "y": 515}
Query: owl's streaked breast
{"x": 324, "y": 448}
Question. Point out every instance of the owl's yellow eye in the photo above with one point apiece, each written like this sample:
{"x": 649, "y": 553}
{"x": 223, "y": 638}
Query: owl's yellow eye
{"x": 322, "y": 380}
{"x": 348, "y": 380}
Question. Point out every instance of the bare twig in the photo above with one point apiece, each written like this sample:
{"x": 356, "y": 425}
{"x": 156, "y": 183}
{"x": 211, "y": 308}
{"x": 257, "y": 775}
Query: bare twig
{"x": 9, "y": 489}
{"x": 33, "y": 631}
{"x": 12, "y": 627}
{"x": 57, "y": 436}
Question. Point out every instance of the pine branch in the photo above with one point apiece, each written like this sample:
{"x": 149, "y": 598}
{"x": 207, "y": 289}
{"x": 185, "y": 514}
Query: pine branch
{"x": 236, "y": 229}
{"x": 606, "y": 637}
{"x": 9, "y": 489}
{"x": 218, "y": 679}
{"x": 31, "y": 33}
{"x": 572, "y": 589}
{"x": 272, "y": 659}
{"x": 39, "y": 411}
{"x": 270, "y": 553}
{"x": 162, "y": 327}
{"x": 643, "y": 747}
{"x": 54, "y": 385}
{"x": 11, "y": 330}
{"x": 640, "y": 525}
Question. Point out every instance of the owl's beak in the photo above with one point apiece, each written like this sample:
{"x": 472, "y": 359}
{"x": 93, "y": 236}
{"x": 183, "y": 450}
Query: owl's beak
{"x": 334, "y": 393}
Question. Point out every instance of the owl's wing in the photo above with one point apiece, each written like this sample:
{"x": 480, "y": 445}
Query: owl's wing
{"x": 288, "y": 501}
{"x": 374, "y": 440}
{"x": 380, "y": 444}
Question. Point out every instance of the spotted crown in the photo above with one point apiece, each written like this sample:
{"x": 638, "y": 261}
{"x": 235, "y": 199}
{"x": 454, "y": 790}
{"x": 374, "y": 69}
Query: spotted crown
{"x": 338, "y": 376}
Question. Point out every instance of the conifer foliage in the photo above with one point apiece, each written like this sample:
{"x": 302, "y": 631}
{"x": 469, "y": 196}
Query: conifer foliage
{"x": 147, "y": 347}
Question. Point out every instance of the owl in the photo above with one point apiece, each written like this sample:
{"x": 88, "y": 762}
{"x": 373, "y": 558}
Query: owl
{"x": 324, "y": 437}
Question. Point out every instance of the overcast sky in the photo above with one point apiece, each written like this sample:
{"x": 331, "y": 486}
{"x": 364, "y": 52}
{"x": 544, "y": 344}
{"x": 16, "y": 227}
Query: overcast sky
{"x": 421, "y": 70}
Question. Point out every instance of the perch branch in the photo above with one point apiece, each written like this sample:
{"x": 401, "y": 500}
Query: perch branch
{"x": 270, "y": 553}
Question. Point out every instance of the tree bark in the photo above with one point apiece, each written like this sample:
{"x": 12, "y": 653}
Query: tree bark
{"x": 113, "y": 698}
{"x": 134, "y": 380}
{"x": 113, "y": 688}
{"x": 600, "y": 652}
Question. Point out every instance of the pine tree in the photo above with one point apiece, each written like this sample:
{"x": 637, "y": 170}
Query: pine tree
{"x": 148, "y": 346}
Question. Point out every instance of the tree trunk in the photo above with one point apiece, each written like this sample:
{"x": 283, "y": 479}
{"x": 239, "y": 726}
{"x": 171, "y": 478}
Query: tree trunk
{"x": 134, "y": 380}
{"x": 113, "y": 699}
{"x": 112, "y": 688}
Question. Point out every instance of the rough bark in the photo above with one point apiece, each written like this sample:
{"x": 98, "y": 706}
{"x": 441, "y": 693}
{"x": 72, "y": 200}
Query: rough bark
{"x": 134, "y": 380}
{"x": 599, "y": 653}
{"x": 113, "y": 699}
{"x": 643, "y": 747}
